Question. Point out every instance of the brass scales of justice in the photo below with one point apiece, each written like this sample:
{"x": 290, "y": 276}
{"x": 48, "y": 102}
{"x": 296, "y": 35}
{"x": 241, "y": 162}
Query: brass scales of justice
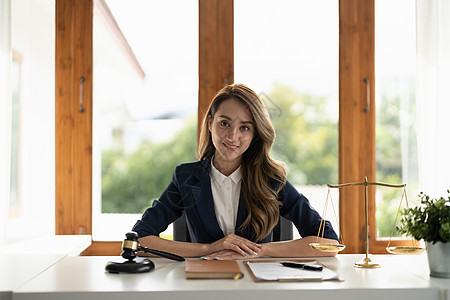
{"x": 366, "y": 262}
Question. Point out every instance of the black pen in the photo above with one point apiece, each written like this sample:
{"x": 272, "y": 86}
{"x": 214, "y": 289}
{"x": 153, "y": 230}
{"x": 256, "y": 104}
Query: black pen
{"x": 302, "y": 266}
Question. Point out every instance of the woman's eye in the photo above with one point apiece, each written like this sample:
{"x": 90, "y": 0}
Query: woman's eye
{"x": 245, "y": 128}
{"x": 224, "y": 123}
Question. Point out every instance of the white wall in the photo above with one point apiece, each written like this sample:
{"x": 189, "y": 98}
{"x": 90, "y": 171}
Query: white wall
{"x": 33, "y": 36}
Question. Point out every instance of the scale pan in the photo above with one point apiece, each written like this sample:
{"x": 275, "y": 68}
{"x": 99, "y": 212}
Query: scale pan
{"x": 405, "y": 250}
{"x": 326, "y": 247}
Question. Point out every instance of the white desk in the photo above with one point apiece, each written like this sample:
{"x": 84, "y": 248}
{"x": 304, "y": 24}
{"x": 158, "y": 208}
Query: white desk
{"x": 56, "y": 244}
{"x": 24, "y": 259}
{"x": 85, "y": 278}
{"x": 419, "y": 267}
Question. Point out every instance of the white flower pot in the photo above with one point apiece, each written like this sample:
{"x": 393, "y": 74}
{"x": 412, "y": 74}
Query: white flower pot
{"x": 439, "y": 259}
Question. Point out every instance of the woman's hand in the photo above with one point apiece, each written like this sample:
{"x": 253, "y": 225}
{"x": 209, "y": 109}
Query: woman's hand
{"x": 233, "y": 245}
{"x": 228, "y": 255}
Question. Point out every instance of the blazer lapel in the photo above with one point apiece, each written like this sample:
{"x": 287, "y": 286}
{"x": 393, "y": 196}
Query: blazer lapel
{"x": 203, "y": 202}
{"x": 241, "y": 215}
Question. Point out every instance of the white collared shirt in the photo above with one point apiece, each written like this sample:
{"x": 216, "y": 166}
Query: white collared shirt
{"x": 226, "y": 191}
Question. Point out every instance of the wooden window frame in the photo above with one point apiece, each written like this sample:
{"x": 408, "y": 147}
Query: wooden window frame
{"x": 73, "y": 116}
{"x": 74, "y": 20}
{"x": 356, "y": 128}
{"x": 357, "y": 125}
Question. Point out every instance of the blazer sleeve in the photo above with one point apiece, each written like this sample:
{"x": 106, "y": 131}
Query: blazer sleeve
{"x": 163, "y": 212}
{"x": 296, "y": 207}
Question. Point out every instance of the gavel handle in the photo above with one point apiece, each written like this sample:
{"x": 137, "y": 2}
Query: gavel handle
{"x": 161, "y": 253}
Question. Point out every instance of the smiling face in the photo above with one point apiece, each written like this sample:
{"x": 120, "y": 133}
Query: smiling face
{"x": 232, "y": 129}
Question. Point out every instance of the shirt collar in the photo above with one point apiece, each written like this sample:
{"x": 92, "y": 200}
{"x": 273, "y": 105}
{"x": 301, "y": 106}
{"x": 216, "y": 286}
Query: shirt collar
{"x": 236, "y": 176}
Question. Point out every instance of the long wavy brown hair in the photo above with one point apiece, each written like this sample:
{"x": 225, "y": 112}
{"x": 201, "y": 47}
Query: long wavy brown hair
{"x": 259, "y": 170}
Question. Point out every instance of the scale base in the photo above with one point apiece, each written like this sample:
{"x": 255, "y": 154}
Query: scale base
{"x": 366, "y": 263}
{"x": 142, "y": 266}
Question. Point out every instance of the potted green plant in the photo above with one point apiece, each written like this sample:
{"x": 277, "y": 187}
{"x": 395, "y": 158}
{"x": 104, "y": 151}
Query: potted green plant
{"x": 430, "y": 221}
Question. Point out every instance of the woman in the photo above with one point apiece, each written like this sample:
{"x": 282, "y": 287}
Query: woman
{"x": 233, "y": 196}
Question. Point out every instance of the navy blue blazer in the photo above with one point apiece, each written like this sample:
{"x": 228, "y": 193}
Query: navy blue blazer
{"x": 190, "y": 191}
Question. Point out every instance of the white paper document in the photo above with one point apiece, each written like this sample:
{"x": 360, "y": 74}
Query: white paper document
{"x": 275, "y": 271}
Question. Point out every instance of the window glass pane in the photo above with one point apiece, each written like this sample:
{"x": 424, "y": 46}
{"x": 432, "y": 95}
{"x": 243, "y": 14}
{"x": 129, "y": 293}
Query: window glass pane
{"x": 15, "y": 201}
{"x": 396, "y": 141}
{"x": 287, "y": 51}
{"x": 32, "y": 190}
{"x": 145, "y": 105}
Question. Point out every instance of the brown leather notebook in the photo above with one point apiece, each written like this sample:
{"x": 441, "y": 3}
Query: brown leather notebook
{"x": 206, "y": 269}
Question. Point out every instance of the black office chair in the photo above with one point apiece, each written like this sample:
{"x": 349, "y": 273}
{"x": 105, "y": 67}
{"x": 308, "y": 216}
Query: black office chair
{"x": 281, "y": 232}
{"x": 180, "y": 231}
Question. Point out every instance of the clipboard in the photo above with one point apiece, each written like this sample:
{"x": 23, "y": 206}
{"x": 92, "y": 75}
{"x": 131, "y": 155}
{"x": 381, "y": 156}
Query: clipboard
{"x": 279, "y": 273}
